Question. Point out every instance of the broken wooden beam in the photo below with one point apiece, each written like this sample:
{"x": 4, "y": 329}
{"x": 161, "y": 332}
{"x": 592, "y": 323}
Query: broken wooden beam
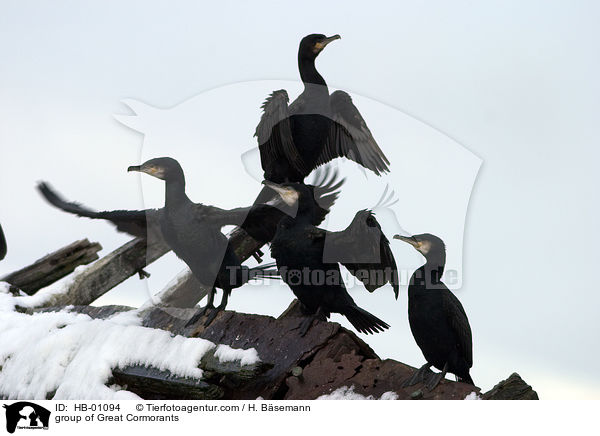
{"x": 108, "y": 272}
{"x": 53, "y": 266}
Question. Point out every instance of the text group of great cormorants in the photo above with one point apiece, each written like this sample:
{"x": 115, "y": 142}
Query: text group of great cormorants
{"x": 294, "y": 140}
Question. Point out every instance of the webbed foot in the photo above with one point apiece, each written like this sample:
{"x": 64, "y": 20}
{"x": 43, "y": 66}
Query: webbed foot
{"x": 419, "y": 376}
{"x": 199, "y": 314}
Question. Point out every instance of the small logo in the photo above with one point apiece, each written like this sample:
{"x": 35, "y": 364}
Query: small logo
{"x": 26, "y": 415}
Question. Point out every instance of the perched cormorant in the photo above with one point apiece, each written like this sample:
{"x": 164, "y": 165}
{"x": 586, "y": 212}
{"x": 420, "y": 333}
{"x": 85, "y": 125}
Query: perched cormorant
{"x": 437, "y": 320}
{"x": 316, "y": 128}
{"x": 193, "y": 230}
{"x": 2, "y": 244}
{"x": 308, "y": 260}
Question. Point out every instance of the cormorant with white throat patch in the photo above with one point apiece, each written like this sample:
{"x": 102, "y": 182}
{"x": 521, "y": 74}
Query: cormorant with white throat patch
{"x": 315, "y": 128}
{"x": 437, "y": 319}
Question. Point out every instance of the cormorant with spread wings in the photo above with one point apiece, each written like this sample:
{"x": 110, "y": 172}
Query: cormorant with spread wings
{"x": 316, "y": 128}
{"x": 309, "y": 258}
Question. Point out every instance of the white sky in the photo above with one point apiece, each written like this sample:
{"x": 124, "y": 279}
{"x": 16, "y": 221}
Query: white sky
{"x": 513, "y": 82}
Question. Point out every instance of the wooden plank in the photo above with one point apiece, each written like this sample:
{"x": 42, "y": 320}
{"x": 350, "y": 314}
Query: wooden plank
{"x": 109, "y": 271}
{"x": 53, "y": 266}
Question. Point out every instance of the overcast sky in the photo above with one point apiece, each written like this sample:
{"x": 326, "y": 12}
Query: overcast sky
{"x": 445, "y": 88}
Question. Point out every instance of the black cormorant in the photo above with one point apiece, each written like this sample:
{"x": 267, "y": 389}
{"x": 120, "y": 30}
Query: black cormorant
{"x": 316, "y": 128}
{"x": 308, "y": 260}
{"x": 437, "y": 320}
{"x": 2, "y": 244}
{"x": 193, "y": 230}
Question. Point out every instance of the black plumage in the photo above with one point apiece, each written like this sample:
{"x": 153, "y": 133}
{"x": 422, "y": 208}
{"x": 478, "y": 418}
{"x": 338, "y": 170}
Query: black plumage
{"x": 437, "y": 319}
{"x": 193, "y": 230}
{"x": 3, "y": 248}
{"x": 316, "y": 128}
{"x": 308, "y": 259}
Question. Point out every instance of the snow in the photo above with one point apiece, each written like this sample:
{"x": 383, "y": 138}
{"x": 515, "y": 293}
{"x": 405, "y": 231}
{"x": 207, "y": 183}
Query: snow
{"x": 73, "y": 354}
{"x": 227, "y": 354}
{"x": 473, "y": 396}
{"x": 347, "y": 393}
{"x": 8, "y": 301}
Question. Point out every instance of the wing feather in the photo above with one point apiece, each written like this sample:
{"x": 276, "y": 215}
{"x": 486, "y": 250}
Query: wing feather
{"x": 134, "y": 222}
{"x": 365, "y": 251}
{"x": 457, "y": 318}
{"x": 274, "y": 133}
{"x": 350, "y": 137}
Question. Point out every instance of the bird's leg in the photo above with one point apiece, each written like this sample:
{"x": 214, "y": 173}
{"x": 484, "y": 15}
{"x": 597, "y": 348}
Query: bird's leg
{"x": 213, "y": 314}
{"x": 305, "y": 325}
{"x": 143, "y": 274}
{"x": 435, "y": 379}
{"x": 200, "y": 313}
{"x": 418, "y": 376}
{"x": 209, "y": 303}
{"x": 308, "y": 321}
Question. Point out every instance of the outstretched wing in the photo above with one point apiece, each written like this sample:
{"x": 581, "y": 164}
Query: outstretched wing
{"x": 458, "y": 321}
{"x": 274, "y": 133}
{"x": 365, "y": 251}
{"x": 134, "y": 222}
{"x": 350, "y": 137}
{"x": 2, "y": 244}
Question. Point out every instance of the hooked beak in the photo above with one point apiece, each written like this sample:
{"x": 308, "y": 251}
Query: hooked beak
{"x": 322, "y": 44}
{"x": 150, "y": 170}
{"x": 409, "y": 239}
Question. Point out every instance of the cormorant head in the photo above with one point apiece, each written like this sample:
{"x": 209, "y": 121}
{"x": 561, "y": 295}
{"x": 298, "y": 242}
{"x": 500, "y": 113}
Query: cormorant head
{"x": 312, "y": 45}
{"x": 427, "y": 244}
{"x": 296, "y": 196}
{"x": 164, "y": 168}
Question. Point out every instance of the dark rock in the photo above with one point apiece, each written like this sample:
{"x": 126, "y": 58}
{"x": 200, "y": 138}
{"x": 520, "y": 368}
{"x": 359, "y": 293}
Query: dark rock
{"x": 327, "y": 358}
{"x": 513, "y": 388}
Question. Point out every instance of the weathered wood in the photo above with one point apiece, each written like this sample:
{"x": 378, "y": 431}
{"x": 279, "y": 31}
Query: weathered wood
{"x": 155, "y": 384}
{"x": 54, "y": 266}
{"x": 185, "y": 291}
{"x": 108, "y": 272}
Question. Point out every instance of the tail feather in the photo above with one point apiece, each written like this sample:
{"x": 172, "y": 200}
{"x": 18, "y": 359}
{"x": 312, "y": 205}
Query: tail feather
{"x": 363, "y": 321}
